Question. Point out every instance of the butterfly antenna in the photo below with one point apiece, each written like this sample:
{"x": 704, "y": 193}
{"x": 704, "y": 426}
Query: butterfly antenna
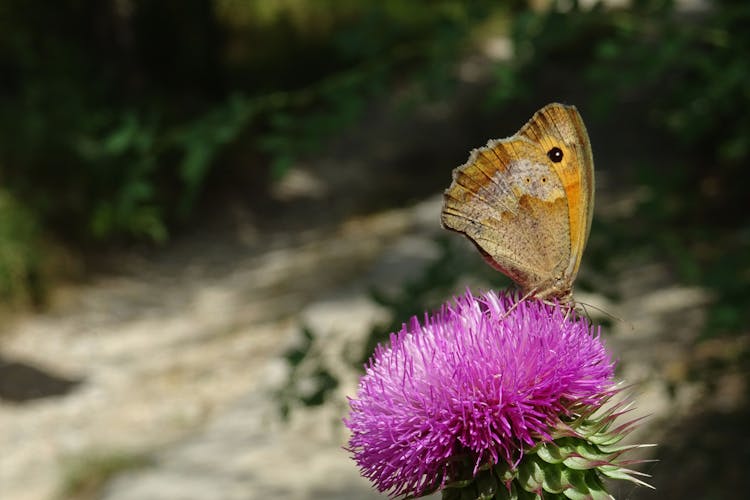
{"x": 603, "y": 311}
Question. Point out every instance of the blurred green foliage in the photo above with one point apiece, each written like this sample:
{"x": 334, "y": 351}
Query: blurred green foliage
{"x": 310, "y": 381}
{"x": 86, "y": 473}
{"x": 114, "y": 114}
{"x": 116, "y": 117}
{"x": 20, "y": 259}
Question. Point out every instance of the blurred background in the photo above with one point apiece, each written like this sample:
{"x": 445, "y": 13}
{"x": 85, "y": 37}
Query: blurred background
{"x": 212, "y": 210}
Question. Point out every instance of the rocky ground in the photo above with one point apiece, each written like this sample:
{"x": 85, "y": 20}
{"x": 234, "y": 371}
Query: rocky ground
{"x": 163, "y": 374}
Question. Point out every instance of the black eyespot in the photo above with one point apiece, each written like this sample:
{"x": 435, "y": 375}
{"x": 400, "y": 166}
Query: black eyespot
{"x": 528, "y": 180}
{"x": 544, "y": 179}
{"x": 555, "y": 154}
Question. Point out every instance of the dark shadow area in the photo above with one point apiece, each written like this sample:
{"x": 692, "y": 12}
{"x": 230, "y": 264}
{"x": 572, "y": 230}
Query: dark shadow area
{"x": 704, "y": 457}
{"x": 21, "y": 382}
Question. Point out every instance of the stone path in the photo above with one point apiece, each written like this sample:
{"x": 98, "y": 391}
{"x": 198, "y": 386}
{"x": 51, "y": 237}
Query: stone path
{"x": 157, "y": 359}
{"x": 246, "y": 452}
{"x": 185, "y": 368}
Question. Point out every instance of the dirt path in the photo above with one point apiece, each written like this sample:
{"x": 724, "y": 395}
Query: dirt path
{"x": 158, "y": 356}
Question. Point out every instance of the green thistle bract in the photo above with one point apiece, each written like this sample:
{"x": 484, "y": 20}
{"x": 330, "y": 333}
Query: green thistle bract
{"x": 582, "y": 452}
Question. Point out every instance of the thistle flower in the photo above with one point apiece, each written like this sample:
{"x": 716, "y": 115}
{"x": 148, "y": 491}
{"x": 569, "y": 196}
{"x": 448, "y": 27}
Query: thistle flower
{"x": 487, "y": 395}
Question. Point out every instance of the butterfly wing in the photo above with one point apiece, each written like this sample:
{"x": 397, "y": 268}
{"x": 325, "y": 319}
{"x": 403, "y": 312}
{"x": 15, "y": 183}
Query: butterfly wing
{"x": 561, "y": 126}
{"x": 526, "y": 210}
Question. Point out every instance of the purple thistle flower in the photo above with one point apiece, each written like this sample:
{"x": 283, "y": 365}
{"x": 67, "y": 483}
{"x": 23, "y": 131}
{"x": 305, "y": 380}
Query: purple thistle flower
{"x": 479, "y": 382}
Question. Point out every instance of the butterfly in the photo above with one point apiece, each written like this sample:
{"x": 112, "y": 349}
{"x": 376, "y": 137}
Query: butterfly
{"x": 526, "y": 202}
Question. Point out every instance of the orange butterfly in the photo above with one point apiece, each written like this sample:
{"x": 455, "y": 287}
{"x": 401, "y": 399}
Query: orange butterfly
{"x": 526, "y": 202}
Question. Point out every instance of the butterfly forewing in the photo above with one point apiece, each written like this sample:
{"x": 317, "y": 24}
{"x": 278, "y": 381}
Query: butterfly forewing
{"x": 560, "y": 126}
